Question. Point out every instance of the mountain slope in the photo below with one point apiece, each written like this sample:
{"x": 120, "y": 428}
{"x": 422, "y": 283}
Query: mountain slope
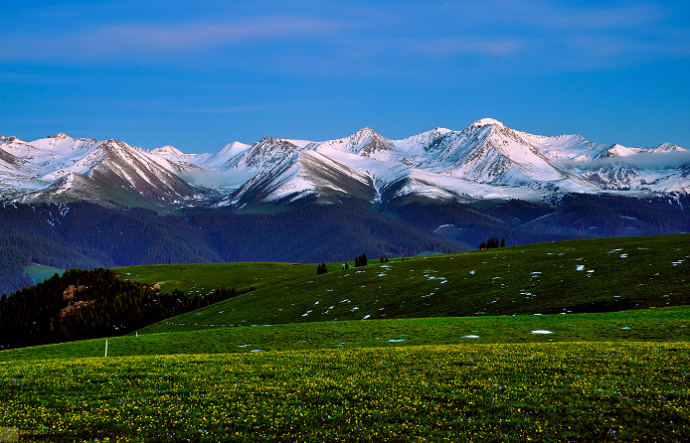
{"x": 486, "y": 160}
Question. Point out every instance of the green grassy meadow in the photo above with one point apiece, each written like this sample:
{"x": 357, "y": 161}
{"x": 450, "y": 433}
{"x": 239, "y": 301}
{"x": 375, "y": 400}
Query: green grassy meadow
{"x": 38, "y": 273}
{"x": 512, "y": 344}
{"x": 202, "y": 278}
{"x": 606, "y": 391}
{"x": 569, "y": 277}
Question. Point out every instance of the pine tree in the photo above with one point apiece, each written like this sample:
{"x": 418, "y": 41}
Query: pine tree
{"x": 503, "y": 242}
{"x": 361, "y": 261}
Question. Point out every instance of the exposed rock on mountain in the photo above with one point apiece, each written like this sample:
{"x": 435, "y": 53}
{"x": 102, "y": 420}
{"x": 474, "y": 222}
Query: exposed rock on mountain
{"x": 486, "y": 160}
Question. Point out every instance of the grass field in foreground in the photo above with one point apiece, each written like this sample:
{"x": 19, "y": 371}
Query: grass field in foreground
{"x": 585, "y": 392}
{"x": 653, "y": 324}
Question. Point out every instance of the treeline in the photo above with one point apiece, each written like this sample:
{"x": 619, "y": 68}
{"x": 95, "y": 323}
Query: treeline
{"x": 493, "y": 243}
{"x": 360, "y": 260}
{"x": 84, "y": 304}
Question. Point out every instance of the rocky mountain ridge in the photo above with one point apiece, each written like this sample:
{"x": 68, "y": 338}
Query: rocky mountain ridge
{"x": 486, "y": 160}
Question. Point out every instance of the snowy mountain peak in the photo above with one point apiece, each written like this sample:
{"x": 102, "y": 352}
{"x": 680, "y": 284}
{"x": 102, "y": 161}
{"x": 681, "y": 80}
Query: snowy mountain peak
{"x": 367, "y": 131}
{"x": 486, "y": 122}
{"x": 61, "y": 135}
{"x": 4, "y": 139}
{"x": 236, "y": 145}
{"x": 167, "y": 150}
{"x": 485, "y": 160}
{"x": 667, "y": 147}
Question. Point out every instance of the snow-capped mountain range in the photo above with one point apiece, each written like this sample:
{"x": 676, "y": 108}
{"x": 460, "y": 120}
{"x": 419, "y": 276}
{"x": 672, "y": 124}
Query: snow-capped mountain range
{"x": 486, "y": 160}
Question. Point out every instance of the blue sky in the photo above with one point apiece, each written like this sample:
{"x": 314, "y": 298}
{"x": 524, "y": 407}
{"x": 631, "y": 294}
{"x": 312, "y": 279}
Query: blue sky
{"x": 201, "y": 74}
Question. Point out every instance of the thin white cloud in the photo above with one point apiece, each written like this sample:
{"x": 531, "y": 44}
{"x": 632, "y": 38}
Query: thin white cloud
{"x": 550, "y": 14}
{"x": 459, "y": 45}
{"x": 222, "y": 109}
{"x": 150, "y": 39}
{"x": 411, "y": 40}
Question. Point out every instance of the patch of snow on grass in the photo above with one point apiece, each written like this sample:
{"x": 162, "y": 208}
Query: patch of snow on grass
{"x": 541, "y": 331}
{"x": 306, "y": 313}
{"x": 470, "y": 336}
{"x": 624, "y": 255}
{"x": 396, "y": 340}
{"x": 366, "y": 317}
{"x": 580, "y": 268}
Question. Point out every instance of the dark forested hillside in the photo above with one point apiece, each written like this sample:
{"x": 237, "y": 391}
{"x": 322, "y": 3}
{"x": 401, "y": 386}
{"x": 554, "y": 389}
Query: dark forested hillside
{"x": 574, "y": 216}
{"x": 88, "y": 236}
{"x": 314, "y": 233}
{"x": 88, "y": 304}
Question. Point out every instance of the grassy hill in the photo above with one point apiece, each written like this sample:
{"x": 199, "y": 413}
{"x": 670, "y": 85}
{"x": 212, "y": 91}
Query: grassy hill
{"x": 202, "y": 278}
{"x": 39, "y": 273}
{"x": 560, "y": 278}
{"x": 439, "y": 348}
{"x": 641, "y": 325}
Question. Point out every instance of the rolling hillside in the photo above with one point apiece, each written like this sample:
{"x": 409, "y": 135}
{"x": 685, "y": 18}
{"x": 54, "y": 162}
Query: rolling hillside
{"x": 550, "y": 278}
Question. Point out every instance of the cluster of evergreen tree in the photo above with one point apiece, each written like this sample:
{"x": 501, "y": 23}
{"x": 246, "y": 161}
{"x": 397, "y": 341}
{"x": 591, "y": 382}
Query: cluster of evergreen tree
{"x": 84, "y": 304}
{"x": 361, "y": 260}
{"x": 493, "y": 243}
{"x": 321, "y": 269}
